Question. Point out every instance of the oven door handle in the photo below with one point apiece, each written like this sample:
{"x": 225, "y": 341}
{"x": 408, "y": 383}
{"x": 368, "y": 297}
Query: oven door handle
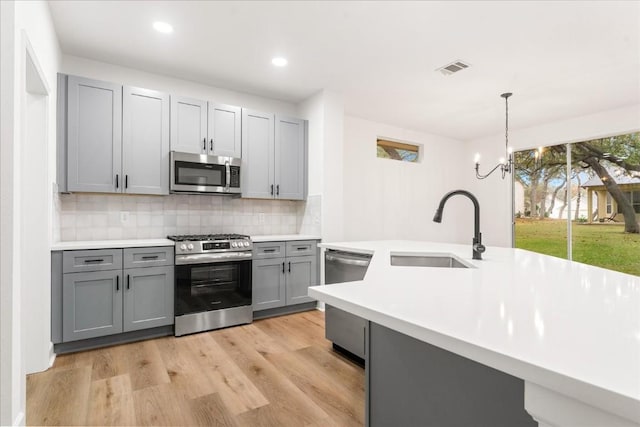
{"x": 213, "y": 258}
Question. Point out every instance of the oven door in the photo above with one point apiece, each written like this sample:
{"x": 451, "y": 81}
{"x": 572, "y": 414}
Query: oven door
{"x": 212, "y": 286}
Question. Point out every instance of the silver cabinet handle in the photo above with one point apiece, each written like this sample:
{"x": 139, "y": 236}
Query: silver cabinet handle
{"x": 117, "y": 283}
{"x": 117, "y": 181}
{"x": 150, "y": 257}
{"x": 87, "y": 261}
{"x": 278, "y": 190}
{"x": 211, "y": 145}
{"x": 272, "y": 189}
{"x": 128, "y": 281}
{"x": 204, "y": 144}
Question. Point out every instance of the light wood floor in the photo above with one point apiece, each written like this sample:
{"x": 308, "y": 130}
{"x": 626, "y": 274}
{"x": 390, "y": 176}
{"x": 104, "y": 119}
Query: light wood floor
{"x": 274, "y": 372}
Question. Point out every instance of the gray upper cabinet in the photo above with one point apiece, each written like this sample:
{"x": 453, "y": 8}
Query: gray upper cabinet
{"x": 93, "y": 132}
{"x": 145, "y": 141}
{"x": 92, "y": 304}
{"x": 148, "y": 297}
{"x": 257, "y": 172}
{"x": 273, "y": 157}
{"x": 205, "y": 128}
{"x": 290, "y": 158}
{"x": 189, "y": 125}
{"x": 224, "y": 130}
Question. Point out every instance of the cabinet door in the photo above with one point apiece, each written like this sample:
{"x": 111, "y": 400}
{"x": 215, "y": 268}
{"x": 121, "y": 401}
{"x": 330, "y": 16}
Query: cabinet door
{"x": 268, "y": 284}
{"x": 302, "y": 272}
{"x": 256, "y": 178}
{"x": 148, "y": 297}
{"x": 91, "y": 304}
{"x": 189, "y": 125}
{"x": 290, "y": 159}
{"x": 94, "y": 136}
{"x": 145, "y": 141}
{"x": 224, "y": 130}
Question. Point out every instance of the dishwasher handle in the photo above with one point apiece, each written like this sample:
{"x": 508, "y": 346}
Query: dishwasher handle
{"x": 348, "y": 261}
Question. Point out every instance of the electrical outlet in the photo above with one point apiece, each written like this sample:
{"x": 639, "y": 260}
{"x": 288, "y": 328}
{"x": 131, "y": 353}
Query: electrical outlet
{"x": 124, "y": 217}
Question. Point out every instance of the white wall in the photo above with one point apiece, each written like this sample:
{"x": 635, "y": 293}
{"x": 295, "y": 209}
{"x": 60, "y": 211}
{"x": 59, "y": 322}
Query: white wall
{"x": 174, "y": 86}
{"x": 496, "y": 194}
{"x": 25, "y": 323}
{"x": 389, "y": 199}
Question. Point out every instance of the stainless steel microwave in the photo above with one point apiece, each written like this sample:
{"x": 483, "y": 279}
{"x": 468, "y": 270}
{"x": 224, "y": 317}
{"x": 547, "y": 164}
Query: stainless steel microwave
{"x": 200, "y": 173}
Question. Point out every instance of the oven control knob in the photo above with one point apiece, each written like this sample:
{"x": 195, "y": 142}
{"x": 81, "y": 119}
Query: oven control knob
{"x": 246, "y": 244}
{"x": 190, "y": 246}
{"x": 183, "y": 247}
{"x": 234, "y": 245}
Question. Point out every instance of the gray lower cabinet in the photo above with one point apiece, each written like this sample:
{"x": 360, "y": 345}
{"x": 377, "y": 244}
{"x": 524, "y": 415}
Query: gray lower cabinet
{"x": 101, "y": 292}
{"x": 148, "y": 298}
{"x": 92, "y": 304}
{"x": 269, "y": 287}
{"x": 279, "y": 280}
{"x": 302, "y": 272}
{"x": 274, "y": 156}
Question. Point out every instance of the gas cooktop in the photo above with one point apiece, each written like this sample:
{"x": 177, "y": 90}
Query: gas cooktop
{"x": 206, "y": 237}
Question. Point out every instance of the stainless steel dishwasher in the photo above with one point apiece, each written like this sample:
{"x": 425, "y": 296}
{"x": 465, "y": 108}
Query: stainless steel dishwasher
{"x": 345, "y": 330}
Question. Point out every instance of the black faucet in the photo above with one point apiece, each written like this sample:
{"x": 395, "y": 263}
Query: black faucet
{"x": 478, "y": 248}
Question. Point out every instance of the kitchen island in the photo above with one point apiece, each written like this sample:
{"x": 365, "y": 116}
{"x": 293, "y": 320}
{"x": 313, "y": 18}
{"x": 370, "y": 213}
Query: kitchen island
{"x": 568, "y": 332}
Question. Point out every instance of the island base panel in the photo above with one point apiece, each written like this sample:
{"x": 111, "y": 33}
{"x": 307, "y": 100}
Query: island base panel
{"x": 410, "y": 382}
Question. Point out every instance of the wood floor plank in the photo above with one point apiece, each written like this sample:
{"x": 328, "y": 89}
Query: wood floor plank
{"x": 273, "y": 372}
{"x": 58, "y": 397}
{"x": 184, "y": 370}
{"x": 281, "y": 393}
{"x": 161, "y": 405}
{"x": 326, "y": 390}
{"x": 146, "y": 366}
{"x": 236, "y": 390}
{"x": 111, "y": 402}
{"x": 210, "y": 410}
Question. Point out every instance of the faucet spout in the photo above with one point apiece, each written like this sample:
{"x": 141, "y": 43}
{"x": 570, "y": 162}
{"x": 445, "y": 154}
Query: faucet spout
{"x": 478, "y": 247}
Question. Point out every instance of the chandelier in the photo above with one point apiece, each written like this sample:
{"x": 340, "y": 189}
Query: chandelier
{"x": 505, "y": 164}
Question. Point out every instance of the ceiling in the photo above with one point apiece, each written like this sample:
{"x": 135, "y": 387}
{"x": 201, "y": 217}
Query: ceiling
{"x": 560, "y": 59}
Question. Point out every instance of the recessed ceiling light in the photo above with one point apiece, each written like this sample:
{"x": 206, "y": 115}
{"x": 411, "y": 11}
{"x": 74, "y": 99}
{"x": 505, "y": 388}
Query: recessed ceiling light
{"x": 163, "y": 27}
{"x": 279, "y": 61}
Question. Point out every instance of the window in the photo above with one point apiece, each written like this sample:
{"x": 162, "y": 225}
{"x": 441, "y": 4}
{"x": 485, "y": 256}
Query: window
{"x": 402, "y": 151}
{"x": 609, "y": 204}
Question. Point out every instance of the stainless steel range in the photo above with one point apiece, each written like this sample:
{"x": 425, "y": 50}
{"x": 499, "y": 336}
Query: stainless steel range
{"x": 213, "y": 281}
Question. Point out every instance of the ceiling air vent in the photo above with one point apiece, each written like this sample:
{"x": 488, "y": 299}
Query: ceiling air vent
{"x": 454, "y": 67}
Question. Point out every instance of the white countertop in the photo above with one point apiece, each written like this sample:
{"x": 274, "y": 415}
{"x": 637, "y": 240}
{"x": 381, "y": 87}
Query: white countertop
{"x": 110, "y": 244}
{"x": 563, "y": 325}
{"x": 284, "y": 237}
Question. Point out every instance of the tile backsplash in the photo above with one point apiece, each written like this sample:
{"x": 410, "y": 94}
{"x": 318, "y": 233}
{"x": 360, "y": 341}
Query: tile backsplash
{"x": 102, "y": 217}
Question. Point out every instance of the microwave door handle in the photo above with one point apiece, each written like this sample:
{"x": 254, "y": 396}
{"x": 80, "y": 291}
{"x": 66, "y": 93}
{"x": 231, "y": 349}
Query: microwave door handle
{"x": 228, "y": 175}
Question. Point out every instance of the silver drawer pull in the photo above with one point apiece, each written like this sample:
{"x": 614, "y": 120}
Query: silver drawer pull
{"x": 88, "y": 261}
{"x": 149, "y": 257}
{"x": 302, "y": 248}
{"x": 268, "y": 250}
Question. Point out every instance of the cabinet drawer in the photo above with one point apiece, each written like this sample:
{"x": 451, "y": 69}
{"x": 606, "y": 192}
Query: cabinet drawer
{"x": 91, "y": 260}
{"x": 148, "y": 257}
{"x": 268, "y": 250}
{"x": 301, "y": 248}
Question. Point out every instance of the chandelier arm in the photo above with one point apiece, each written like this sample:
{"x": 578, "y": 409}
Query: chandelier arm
{"x": 481, "y": 176}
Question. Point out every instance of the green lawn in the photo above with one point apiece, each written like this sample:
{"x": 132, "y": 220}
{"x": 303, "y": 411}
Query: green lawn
{"x": 604, "y": 245}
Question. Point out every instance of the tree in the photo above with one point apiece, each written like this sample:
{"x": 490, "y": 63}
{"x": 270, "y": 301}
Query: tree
{"x": 622, "y": 151}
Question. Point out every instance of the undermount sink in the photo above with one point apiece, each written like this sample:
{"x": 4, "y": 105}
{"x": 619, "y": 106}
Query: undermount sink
{"x": 428, "y": 260}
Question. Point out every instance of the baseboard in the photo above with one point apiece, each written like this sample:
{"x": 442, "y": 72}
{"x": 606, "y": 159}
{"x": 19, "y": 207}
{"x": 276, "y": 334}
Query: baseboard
{"x": 52, "y": 355}
{"x": 19, "y": 421}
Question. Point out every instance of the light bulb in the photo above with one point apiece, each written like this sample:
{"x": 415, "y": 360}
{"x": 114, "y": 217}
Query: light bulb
{"x": 509, "y": 150}
{"x": 501, "y": 161}
{"x": 476, "y": 159}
